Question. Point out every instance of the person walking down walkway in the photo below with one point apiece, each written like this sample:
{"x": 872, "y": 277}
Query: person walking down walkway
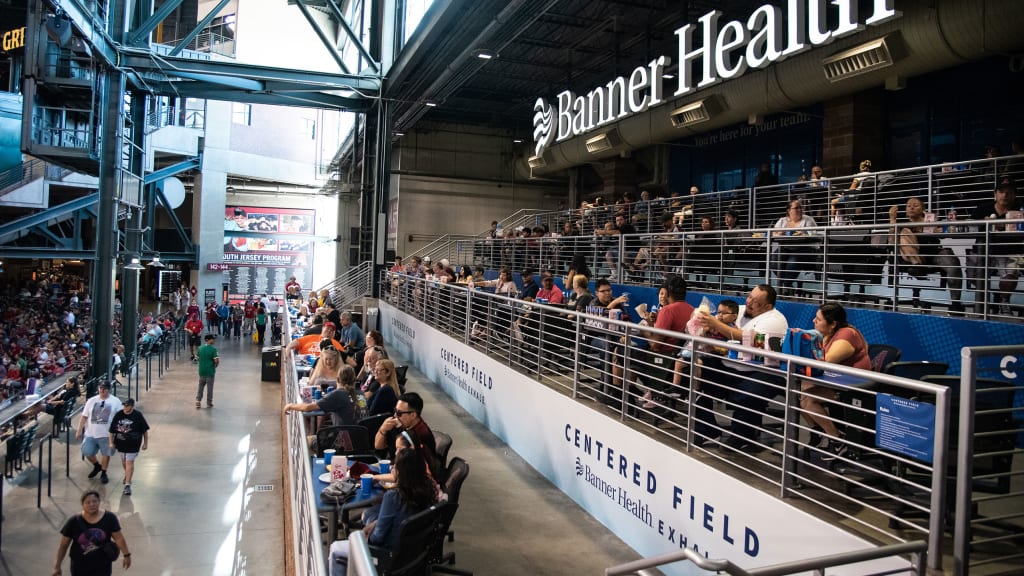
{"x": 89, "y": 535}
{"x": 261, "y": 324}
{"x": 208, "y": 363}
{"x": 194, "y": 327}
{"x": 129, "y": 432}
{"x": 94, "y": 428}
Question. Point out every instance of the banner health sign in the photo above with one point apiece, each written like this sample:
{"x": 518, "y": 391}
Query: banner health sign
{"x": 654, "y": 497}
{"x": 723, "y": 51}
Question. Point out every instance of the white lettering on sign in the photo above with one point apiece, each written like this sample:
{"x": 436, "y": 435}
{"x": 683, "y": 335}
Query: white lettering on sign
{"x": 723, "y": 50}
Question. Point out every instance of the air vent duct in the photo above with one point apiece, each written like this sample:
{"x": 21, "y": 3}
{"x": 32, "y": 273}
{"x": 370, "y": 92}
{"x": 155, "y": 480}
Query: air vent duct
{"x": 537, "y": 162}
{"x": 696, "y": 112}
{"x": 603, "y": 142}
{"x": 868, "y": 57}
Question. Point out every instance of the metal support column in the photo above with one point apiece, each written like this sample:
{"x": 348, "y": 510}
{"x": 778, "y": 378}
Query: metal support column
{"x": 133, "y": 236}
{"x": 111, "y": 95}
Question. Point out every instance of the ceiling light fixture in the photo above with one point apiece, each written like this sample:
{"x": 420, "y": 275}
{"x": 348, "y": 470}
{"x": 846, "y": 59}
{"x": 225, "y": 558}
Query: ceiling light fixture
{"x": 430, "y": 103}
{"x": 484, "y": 54}
{"x": 134, "y": 264}
{"x": 156, "y": 263}
{"x": 517, "y": 140}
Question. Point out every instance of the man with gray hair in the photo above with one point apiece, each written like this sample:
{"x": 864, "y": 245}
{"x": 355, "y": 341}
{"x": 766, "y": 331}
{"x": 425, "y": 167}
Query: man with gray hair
{"x": 351, "y": 335}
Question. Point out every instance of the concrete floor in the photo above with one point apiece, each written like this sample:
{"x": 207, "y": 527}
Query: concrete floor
{"x": 194, "y": 509}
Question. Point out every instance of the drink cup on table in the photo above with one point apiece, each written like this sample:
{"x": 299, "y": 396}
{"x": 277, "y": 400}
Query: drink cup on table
{"x": 366, "y": 484}
{"x": 385, "y": 466}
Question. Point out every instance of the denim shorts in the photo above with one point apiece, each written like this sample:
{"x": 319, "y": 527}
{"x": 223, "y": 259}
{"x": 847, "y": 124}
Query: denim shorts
{"x": 90, "y": 446}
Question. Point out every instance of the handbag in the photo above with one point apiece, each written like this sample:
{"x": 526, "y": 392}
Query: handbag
{"x": 339, "y": 492}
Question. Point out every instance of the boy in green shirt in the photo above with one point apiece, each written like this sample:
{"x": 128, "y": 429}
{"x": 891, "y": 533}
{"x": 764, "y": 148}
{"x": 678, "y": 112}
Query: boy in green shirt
{"x": 208, "y": 362}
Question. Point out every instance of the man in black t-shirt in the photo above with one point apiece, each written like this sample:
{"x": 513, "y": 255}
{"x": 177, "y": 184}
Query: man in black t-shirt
{"x": 1004, "y": 256}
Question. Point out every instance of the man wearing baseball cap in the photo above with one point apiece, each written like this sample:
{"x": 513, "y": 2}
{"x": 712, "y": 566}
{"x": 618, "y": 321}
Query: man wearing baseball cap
{"x": 311, "y": 344}
{"x": 129, "y": 433}
{"x": 1004, "y": 257}
{"x": 93, "y": 430}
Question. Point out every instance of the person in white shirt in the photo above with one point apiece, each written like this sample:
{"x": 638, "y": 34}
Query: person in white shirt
{"x": 94, "y": 430}
{"x": 751, "y": 395}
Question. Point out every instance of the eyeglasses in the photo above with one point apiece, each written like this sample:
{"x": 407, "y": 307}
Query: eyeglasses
{"x": 403, "y": 413}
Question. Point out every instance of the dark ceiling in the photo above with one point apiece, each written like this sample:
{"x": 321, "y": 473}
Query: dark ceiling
{"x": 542, "y": 47}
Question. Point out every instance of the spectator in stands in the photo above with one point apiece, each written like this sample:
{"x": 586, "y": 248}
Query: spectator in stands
{"x": 293, "y": 288}
{"x": 622, "y": 229}
{"x": 374, "y": 339}
{"x": 530, "y": 287}
{"x": 577, "y": 267}
{"x": 408, "y": 415}
{"x": 1005, "y": 257}
{"x": 861, "y": 191}
{"x": 549, "y": 292}
{"x": 581, "y": 297}
{"x": 673, "y": 317}
{"x": 919, "y": 252}
{"x": 793, "y": 259}
{"x": 765, "y": 177}
{"x": 751, "y": 392}
{"x": 845, "y": 345}
{"x": 414, "y": 492}
{"x": 330, "y": 313}
{"x": 340, "y": 403}
{"x": 465, "y": 276}
{"x": 351, "y": 335}
{"x": 366, "y": 382}
{"x": 383, "y": 401}
{"x": 311, "y": 344}
{"x": 504, "y": 285}
{"x": 704, "y": 256}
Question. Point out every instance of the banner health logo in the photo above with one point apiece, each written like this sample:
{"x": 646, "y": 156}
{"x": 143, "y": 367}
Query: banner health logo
{"x": 471, "y": 379}
{"x": 662, "y": 510}
{"x": 543, "y": 130}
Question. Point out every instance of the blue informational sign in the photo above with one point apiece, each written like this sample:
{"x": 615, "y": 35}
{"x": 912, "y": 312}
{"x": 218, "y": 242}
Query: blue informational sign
{"x": 905, "y": 426}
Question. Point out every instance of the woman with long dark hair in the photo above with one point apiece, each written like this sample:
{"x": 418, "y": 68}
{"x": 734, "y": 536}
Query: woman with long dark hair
{"x": 843, "y": 344}
{"x": 414, "y": 492}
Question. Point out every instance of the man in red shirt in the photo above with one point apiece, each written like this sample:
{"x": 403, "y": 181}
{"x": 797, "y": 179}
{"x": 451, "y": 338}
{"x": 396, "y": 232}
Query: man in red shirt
{"x": 672, "y": 317}
{"x": 194, "y": 327}
{"x": 548, "y": 291}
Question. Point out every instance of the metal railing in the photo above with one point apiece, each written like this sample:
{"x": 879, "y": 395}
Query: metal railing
{"x": 989, "y": 512}
{"x": 882, "y": 493}
{"x": 916, "y": 550}
{"x": 454, "y": 247}
{"x": 352, "y": 285}
{"x": 866, "y": 199}
{"x": 963, "y": 266}
{"x": 63, "y": 127}
{"x": 307, "y": 548}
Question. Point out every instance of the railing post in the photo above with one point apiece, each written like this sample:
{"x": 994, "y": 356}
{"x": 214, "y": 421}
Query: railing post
{"x": 964, "y": 464}
{"x": 576, "y": 359}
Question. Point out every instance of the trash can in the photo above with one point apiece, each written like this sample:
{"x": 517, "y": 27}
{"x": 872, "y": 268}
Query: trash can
{"x": 270, "y": 366}
{"x": 372, "y": 315}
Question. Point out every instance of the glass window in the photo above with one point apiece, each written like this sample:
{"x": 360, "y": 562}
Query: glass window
{"x": 241, "y": 114}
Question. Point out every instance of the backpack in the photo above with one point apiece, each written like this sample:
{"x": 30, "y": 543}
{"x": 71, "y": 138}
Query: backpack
{"x": 805, "y": 344}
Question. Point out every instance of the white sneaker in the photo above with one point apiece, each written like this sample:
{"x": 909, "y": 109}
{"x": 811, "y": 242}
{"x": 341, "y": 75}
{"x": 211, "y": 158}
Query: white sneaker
{"x": 648, "y": 403}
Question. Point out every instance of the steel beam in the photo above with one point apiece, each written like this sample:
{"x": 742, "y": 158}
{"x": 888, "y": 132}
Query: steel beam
{"x": 60, "y": 212}
{"x": 144, "y": 61}
{"x": 351, "y": 35}
{"x": 328, "y": 43}
{"x": 139, "y": 34}
{"x": 46, "y": 253}
{"x": 229, "y": 81}
{"x": 200, "y": 26}
{"x": 172, "y": 170}
{"x": 182, "y": 235}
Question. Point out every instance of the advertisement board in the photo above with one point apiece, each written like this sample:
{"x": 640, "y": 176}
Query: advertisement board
{"x": 263, "y": 263}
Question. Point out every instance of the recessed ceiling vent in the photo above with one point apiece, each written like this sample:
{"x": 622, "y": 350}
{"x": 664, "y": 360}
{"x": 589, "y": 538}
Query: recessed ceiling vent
{"x": 868, "y": 57}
